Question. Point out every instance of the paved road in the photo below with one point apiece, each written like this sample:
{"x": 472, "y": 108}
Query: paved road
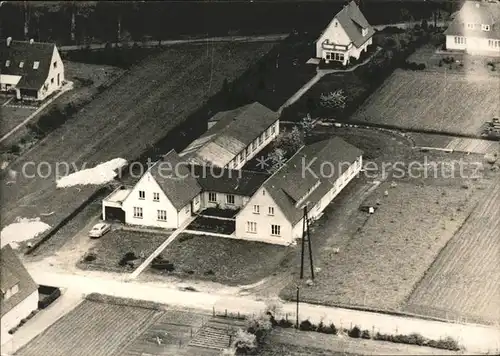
{"x": 474, "y": 337}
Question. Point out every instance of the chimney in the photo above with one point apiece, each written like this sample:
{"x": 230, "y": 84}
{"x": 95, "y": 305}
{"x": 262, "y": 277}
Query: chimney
{"x": 32, "y": 41}
{"x": 9, "y": 40}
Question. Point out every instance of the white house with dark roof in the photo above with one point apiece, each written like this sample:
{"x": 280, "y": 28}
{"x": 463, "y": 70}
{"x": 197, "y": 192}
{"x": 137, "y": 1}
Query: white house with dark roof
{"x": 234, "y": 137}
{"x": 19, "y": 291}
{"x": 313, "y": 177}
{"x": 347, "y": 35}
{"x": 33, "y": 70}
{"x": 476, "y": 28}
{"x": 172, "y": 190}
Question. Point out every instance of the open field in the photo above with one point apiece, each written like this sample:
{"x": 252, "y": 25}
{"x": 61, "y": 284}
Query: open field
{"x": 223, "y": 260}
{"x": 383, "y": 256}
{"x": 93, "y": 329}
{"x": 450, "y": 103}
{"x": 110, "y": 250}
{"x": 290, "y": 342}
{"x": 148, "y": 101}
{"x": 464, "y": 281}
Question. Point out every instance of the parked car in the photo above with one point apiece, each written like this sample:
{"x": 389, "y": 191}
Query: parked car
{"x": 99, "y": 229}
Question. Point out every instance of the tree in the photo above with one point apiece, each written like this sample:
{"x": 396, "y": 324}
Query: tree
{"x": 244, "y": 341}
{"x": 277, "y": 159}
{"x": 307, "y": 125}
{"x": 406, "y": 15}
{"x": 333, "y": 100}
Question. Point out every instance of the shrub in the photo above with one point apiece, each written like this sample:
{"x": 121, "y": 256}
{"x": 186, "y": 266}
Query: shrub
{"x": 416, "y": 339}
{"x": 421, "y": 66}
{"x": 89, "y": 257}
{"x": 260, "y": 326}
{"x": 306, "y": 325}
{"x": 448, "y": 343}
{"x": 365, "y": 334}
{"x": 14, "y": 149}
{"x": 321, "y": 327}
{"x": 244, "y": 342}
{"x": 331, "y": 329}
{"x": 285, "y": 323}
{"x": 355, "y": 332}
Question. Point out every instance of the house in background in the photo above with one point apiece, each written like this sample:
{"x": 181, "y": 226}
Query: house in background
{"x": 347, "y": 35}
{"x": 476, "y": 28}
{"x": 19, "y": 291}
{"x": 33, "y": 70}
{"x": 313, "y": 177}
{"x": 234, "y": 137}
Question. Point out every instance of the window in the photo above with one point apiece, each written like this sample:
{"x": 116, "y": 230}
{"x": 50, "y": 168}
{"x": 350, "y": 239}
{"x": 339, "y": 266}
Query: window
{"x": 470, "y": 26}
{"x": 273, "y": 129}
{"x": 188, "y": 209}
{"x": 271, "y": 210}
{"x": 142, "y": 194}
{"x": 254, "y": 146}
{"x": 21, "y": 64}
{"x": 36, "y": 64}
{"x": 337, "y": 56}
{"x": 494, "y": 43}
{"x": 51, "y": 80}
{"x": 258, "y": 141}
{"x": 137, "y": 212}
{"x": 266, "y": 135}
{"x": 156, "y": 196}
{"x": 11, "y": 291}
{"x": 212, "y": 197}
{"x": 364, "y": 32}
{"x": 240, "y": 157}
{"x": 230, "y": 199}
{"x": 275, "y": 230}
{"x": 335, "y": 23}
{"x": 7, "y": 63}
{"x": 485, "y": 27}
{"x": 162, "y": 215}
{"x": 256, "y": 209}
{"x": 460, "y": 40}
{"x": 252, "y": 227}
{"x": 55, "y": 64}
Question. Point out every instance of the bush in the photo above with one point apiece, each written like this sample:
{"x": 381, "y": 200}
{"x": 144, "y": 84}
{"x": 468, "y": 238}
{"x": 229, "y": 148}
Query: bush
{"x": 306, "y": 325}
{"x": 331, "y": 329}
{"x": 420, "y": 66}
{"x": 14, "y": 149}
{"x": 244, "y": 342}
{"x": 129, "y": 256}
{"x": 260, "y": 327}
{"x": 355, "y": 332}
{"x": 89, "y": 257}
{"x": 448, "y": 343}
{"x": 285, "y": 323}
{"x": 161, "y": 264}
{"x": 365, "y": 334}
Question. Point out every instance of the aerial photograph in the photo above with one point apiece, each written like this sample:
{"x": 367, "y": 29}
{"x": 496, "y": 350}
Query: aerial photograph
{"x": 250, "y": 177}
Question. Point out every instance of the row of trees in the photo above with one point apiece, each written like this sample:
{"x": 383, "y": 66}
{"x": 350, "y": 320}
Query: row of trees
{"x": 79, "y": 21}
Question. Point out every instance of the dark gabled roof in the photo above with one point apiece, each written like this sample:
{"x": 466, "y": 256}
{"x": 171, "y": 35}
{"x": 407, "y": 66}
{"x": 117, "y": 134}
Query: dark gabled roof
{"x": 23, "y": 51}
{"x": 476, "y": 12}
{"x": 175, "y": 179}
{"x": 13, "y": 272}
{"x": 233, "y": 132}
{"x": 353, "y": 21}
{"x": 229, "y": 181}
{"x": 294, "y": 181}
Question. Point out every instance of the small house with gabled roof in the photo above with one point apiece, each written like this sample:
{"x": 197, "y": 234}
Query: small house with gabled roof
{"x": 33, "y": 70}
{"x": 348, "y": 35}
{"x": 19, "y": 291}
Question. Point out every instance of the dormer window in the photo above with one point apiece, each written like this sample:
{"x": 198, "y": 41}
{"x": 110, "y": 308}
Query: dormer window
{"x": 21, "y": 64}
{"x": 7, "y": 63}
{"x": 11, "y": 291}
{"x": 364, "y": 32}
{"x": 36, "y": 64}
{"x": 485, "y": 27}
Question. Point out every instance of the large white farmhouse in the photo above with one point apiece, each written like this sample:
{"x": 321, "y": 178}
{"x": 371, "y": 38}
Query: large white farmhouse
{"x": 476, "y": 28}
{"x": 268, "y": 208}
{"x": 19, "y": 291}
{"x": 32, "y": 70}
{"x": 347, "y": 35}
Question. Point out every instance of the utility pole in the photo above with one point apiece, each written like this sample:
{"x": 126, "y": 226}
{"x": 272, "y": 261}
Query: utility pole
{"x": 297, "y": 311}
{"x": 306, "y": 234}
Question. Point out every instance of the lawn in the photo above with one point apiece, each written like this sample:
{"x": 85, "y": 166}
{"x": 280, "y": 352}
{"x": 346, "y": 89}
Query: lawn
{"x": 108, "y": 254}
{"x": 218, "y": 226}
{"x": 438, "y": 102}
{"x": 223, "y": 260}
{"x": 464, "y": 281}
{"x": 13, "y": 116}
{"x": 382, "y": 257}
{"x": 149, "y": 101}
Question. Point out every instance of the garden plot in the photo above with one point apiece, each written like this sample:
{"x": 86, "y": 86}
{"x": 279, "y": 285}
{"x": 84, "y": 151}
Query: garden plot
{"x": 437, "y": 102}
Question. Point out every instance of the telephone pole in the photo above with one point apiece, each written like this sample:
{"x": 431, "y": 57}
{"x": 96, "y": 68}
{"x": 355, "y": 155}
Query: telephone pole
{"x": 306, "y": 234}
